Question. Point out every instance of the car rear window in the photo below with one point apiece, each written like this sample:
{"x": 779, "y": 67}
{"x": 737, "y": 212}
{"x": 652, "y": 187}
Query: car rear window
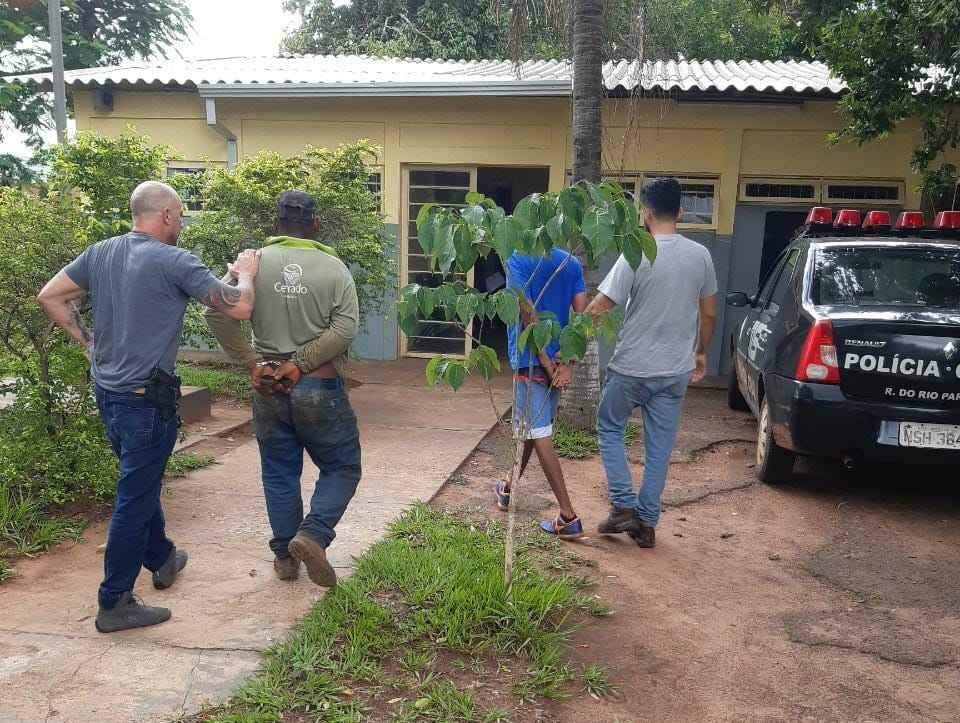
{"x": 887, "y": 276}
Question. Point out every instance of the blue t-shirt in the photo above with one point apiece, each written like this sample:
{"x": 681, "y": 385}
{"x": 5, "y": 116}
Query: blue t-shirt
{"x": 529, "y": 275}
{"x": 140, "y": 288}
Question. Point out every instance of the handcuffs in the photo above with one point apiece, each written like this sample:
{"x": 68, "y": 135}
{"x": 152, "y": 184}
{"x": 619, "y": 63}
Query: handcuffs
{"x": 268, "y": 383}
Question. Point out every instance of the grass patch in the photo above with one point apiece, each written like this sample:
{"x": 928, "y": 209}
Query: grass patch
{"x": 596, "y": 682}
{"x": 573, "y": 443}
{"x": 425, "y": 605}
{"x": 223, "y": 380}
{"x": 26, "y": 528}
{"x": 183, "y": 463}
{"x": 6, "y": 571}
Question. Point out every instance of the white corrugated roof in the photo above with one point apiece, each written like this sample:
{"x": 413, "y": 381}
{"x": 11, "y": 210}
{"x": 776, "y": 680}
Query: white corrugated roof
{"x": 370, "y": 75}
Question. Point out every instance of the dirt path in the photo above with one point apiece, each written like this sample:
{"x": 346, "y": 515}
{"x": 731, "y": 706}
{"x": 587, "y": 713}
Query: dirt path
{"x": 836, "y": 598}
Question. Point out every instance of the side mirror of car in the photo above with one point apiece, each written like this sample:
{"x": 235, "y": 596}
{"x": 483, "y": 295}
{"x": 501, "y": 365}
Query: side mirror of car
{"x": 739, "y": 299}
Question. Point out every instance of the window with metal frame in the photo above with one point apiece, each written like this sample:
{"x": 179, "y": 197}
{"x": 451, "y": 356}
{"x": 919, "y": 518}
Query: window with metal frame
{"x": 447, "y": 187}
{"x": 192, "y": 202}
{"x": 375, "y": 184}
{"x": 828, "y": 191}
{"x": 698, "y": 200}
{"x": 873, "y": 192}
{"x": 779, "y": 190}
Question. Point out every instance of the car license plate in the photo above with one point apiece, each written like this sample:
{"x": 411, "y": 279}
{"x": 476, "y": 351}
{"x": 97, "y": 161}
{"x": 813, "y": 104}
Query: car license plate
{"x": 931, "y": 436}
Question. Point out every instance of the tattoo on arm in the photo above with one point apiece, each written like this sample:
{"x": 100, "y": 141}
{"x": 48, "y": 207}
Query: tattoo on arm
{"x": 85, "y": 335}
{"x": 222, "y": 296}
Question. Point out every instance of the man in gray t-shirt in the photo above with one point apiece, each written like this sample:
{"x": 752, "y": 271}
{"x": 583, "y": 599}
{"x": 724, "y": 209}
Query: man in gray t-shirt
{"x": 139, "y": 285}
{"x": 671, "y": 309}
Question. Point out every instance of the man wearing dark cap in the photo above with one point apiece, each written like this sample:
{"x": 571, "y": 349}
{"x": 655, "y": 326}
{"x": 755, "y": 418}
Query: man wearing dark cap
{"x": 304, "y": 319}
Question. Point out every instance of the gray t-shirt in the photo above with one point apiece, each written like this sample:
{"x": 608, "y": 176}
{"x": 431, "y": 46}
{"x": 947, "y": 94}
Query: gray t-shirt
{"x": 140, "y": 288}
{"x": 661, "y": 323}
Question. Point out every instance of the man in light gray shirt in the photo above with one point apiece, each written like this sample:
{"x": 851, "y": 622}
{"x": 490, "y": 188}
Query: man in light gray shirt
{"x": 671, "y": 309}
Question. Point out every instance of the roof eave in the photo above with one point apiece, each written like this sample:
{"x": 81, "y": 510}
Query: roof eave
{"x": 384, "y": 90}
{"x": 519, "y": 88}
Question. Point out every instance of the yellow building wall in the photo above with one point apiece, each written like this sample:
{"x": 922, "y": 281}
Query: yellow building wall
{"x": 726, "y": 141}
{"x": 173, "y": 119}
{"x": 288, "y": 137}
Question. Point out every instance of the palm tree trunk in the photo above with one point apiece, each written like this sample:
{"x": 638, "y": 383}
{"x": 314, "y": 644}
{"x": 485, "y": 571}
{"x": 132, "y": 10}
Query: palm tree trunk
{"x": 587, "y": 88}
{"x": 581, "y": 400}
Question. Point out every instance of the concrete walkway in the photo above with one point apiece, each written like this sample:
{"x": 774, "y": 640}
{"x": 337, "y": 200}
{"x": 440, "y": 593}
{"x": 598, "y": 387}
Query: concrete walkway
{"x": 227, "y": 607}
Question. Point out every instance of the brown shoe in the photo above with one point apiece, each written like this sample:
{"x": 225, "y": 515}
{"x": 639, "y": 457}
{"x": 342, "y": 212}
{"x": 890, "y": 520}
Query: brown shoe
{"x": 619, "y": 520}
{"x": 286, "y": 568}
{"x": 643, "y": 535}
{"x": 312, "y": 554}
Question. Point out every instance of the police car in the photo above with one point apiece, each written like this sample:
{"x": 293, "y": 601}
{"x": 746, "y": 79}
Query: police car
{"x": 851, "y": 347}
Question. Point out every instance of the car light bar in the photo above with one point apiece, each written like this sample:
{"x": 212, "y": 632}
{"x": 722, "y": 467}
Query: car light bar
{"x": 876, "y": 220}
{"x": 911, "y": 220}
{"x": 947, "y": 221}
{"x": 847, "y": 218}
{"x": 820, "y": 216}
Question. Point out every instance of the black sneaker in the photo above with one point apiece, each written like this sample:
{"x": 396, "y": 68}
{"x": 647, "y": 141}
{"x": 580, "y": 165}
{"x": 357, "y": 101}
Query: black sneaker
{"x": 642, "y": 533}
{"x": 619, "y": 520}
{"x": 311, "y": 553}
{"x": 167, "y": 574}
{"x": 129, "y": 613}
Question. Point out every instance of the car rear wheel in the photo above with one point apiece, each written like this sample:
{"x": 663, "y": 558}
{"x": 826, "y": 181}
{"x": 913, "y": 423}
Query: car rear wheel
{"x": 735, "y": 399}
{"x": 774, "y": 464}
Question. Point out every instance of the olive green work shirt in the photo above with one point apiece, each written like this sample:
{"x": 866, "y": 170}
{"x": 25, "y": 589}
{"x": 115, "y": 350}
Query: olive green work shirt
{"x": 305, "y": 307}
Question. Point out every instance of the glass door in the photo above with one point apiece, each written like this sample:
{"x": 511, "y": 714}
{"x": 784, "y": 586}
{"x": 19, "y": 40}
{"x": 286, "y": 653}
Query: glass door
{"x": 446, "y": 186}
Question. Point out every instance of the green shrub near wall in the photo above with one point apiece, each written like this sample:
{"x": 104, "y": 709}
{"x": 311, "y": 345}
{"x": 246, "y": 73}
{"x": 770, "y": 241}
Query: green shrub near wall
{"x": 239, "y": 209}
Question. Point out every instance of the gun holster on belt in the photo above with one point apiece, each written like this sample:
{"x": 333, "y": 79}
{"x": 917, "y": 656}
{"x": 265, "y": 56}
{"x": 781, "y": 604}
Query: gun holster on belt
{"x": 162, "y": 391}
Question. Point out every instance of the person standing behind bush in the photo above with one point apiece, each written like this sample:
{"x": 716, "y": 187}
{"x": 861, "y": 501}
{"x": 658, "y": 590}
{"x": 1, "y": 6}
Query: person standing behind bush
{"x": 140, "y": 284}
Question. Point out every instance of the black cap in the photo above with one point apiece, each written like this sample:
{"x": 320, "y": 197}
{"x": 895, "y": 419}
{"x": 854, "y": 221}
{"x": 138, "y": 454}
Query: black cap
{"x": 296, "y": 206}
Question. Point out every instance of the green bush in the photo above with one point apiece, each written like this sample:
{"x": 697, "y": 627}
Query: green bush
{"x": 239, "y": 209}
{"x": 53, "y": 451}
{"x": 53, "y": 446}
{"x": 70, "y": 462}
{"x": 102, "y": 172}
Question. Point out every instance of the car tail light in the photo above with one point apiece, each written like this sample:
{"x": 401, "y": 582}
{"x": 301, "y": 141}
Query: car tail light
{"x": 911, "y": 220}
{"x": 876, "y": 219}
{"x": 847, "y": 218}
{"x": 820, "y": 216}
{"x": 947, "y": 221}
{"x": 818, "y": 359}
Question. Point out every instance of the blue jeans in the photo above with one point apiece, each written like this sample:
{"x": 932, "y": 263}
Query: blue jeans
{"x": 661, "y": 401}
{"x": 142, "y": 438}
{"x": 317, "y": 418}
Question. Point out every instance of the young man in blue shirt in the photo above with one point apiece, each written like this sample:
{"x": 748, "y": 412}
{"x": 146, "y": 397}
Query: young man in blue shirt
{"x": 551, "y": 283}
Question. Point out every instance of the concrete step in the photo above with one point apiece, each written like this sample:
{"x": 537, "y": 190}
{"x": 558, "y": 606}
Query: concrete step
{"x": 195, "y": 404}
